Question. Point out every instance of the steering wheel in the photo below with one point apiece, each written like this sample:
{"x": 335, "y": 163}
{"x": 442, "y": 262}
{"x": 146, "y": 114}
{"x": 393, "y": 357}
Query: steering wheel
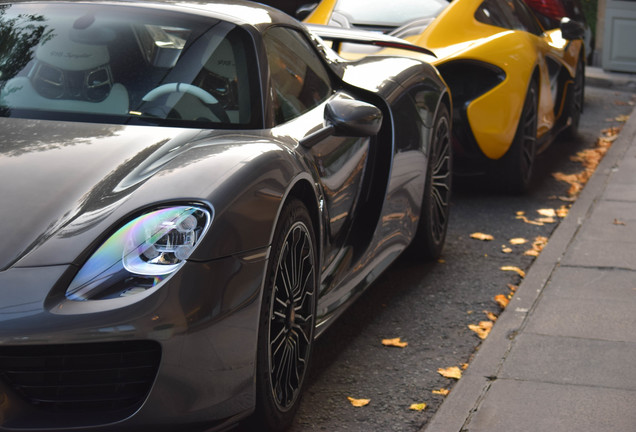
{"x": 208, "y": 100}
{"x": 165, "y": 89}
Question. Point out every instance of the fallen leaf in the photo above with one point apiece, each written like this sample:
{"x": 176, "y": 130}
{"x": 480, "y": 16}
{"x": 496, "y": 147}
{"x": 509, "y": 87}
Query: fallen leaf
{"x": 520, "y": 213}
{"x": 464, "y": 366}
{"x": 546, "y": 220}
{"x": 547, "y": 212}
{"x": 622, "y": 118}
{"x": 612, "y": 131}
{"x": 481, "y": 236}
{"x": 502, "y": 300}
{"x": 482, "y": 329}
{"x": 395, "y": 342}
{"x": 618, "y": 222}
{"x": 514, "y": 269}
{"x": 512, "y": 287}
{"x": 450, "y": 372}
{"x": 518, "y": 241}
{"x": 418, "y": 406}
{"x": 491, "y": 316}
{"x": 442, "y": 391}
{"x": 537, "y": 246}
{"x": 506, "y": 249}
{"x": 562, "y": 211}
{"x": 528, "y": 221}
{"x": 571, "y": 179}
{"x": 358, "y": 402}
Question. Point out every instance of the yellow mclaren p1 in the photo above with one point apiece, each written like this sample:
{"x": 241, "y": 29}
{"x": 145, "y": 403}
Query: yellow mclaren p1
{"x": 514, "y": 85}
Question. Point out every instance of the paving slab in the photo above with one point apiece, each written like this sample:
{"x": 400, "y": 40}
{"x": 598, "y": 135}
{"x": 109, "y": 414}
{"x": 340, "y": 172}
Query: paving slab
{"x": 526, "y": 406}
{"x": 607, "y": 239}
{"x": 566, "y": 360}
{"x": 593, "y": 284}
{"x": 610, "y": 320}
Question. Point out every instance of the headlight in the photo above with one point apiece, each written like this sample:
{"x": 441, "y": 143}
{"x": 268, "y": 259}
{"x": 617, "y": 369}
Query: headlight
{"x": 141, "y": 254}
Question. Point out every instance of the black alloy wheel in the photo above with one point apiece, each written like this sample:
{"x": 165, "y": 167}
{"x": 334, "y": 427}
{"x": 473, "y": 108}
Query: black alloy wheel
{"x": 575, "y": 98}
{"x": 517, "y": 165}
{"x": 288, "y": 318}
{"x": 434, "y": 215}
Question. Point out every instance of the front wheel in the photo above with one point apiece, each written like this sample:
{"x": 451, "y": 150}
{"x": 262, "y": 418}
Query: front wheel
{"x": 431, "y": 230}
{"x": 287, "y": 319}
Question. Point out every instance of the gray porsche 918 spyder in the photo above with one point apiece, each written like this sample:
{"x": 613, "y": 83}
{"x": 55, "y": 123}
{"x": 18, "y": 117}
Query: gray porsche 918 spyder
{"x": 190, "y": 193}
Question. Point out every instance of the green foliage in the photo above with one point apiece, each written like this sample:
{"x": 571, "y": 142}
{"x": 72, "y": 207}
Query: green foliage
{"x": 590, "y": 8}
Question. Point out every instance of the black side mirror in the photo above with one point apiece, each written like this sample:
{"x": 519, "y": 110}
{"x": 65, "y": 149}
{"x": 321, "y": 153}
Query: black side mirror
{"x": 350, "y": 117}
{"x": 571, "y": 29}
{"x": 304, "y": 11}
{"x": 346, "y": 117}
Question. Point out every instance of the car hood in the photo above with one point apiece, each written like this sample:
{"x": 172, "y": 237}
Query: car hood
{"x": 57, "y": 174}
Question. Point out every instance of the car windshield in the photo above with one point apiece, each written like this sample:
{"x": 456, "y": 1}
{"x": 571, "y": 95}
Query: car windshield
{"x": 121, "y": 64}
{"x": 388, "y": 13}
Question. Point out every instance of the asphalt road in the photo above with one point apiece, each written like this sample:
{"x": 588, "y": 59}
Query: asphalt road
{"x": 430, "y": 305}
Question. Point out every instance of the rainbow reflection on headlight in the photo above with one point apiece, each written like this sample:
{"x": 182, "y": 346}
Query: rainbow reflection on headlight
{"x": 141, "y": 254}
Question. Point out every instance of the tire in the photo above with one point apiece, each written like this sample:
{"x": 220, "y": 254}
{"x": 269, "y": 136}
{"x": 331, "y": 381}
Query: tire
{"x": 287, "y": 320}
{"x": 517, "y": 165}
{"x": 574, "y": 101}
{"x": 433, "y": 224}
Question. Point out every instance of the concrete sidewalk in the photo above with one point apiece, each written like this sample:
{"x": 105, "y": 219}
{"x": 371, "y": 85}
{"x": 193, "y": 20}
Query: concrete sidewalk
{"x": 562, "y": 356}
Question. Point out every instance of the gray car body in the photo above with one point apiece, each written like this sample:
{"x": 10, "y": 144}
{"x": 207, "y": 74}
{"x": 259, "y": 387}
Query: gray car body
{"x": 67, "y": 186}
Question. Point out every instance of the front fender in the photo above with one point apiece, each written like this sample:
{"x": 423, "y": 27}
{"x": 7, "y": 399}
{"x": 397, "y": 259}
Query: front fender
{"x": 249, "y": 197}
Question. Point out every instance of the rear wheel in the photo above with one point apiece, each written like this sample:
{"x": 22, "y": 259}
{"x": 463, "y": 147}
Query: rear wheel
{"x": 516, "y": 167}
{"x": 431, "y": 231}
{"x": 286, "y": 328}
{"x": 574, "y": 100}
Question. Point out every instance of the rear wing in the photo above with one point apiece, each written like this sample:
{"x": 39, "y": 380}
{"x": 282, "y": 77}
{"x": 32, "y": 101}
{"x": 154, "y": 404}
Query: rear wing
{"x": 339, "y": 35}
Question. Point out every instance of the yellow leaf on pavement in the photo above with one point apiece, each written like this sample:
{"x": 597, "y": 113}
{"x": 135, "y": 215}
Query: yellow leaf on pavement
{"x": 395, "y": 342}
{"x": 418, "y": 406}
{"x": 506, "y": 249}
{"x": 481, "y": 236}
{"x": 358, "y": 402}
{"x": 450, "y": 372}
{"x": 622, "y": 118}
{"x": 518, "y": 241}
{"x": 502, "y": 300}
{"x": 514, "y": 269}
{"x": 442, "y": 391}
